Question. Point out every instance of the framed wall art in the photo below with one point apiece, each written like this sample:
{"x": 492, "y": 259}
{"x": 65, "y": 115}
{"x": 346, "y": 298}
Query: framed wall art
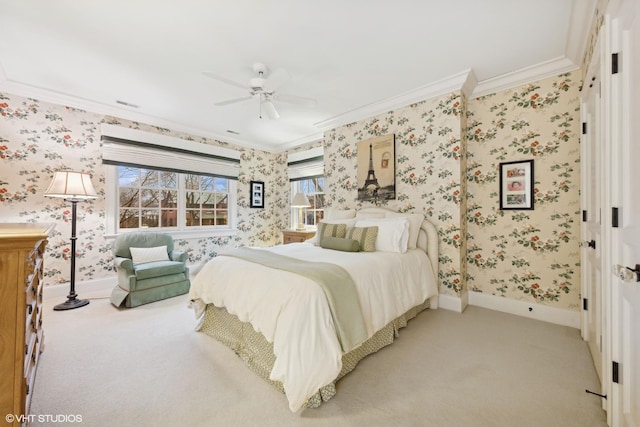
{"x": 257, "y": 194}
{"x": 377, "y": 168}
{"x": 516, "y": 185}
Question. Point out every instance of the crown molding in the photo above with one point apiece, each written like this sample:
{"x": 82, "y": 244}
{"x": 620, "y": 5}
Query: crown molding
{"x": 582, "y": 13}
{"x": 525, "y": 75}
{"x": 316, "y": 137}
{"x": 441, "y": 87}
{"x": 58, "y": 98}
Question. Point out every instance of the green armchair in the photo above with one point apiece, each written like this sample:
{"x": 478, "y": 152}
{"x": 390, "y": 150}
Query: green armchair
{"x": 148, "y": 269}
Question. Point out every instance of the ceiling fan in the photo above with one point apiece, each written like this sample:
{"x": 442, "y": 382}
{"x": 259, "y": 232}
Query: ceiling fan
{"x": 264, "y": 87}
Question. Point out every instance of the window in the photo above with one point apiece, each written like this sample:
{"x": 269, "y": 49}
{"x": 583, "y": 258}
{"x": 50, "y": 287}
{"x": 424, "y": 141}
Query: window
{"x": 313, "y": 188}
{"x": 172, "y": 201}
{"x": 207, "y": 200}
{"x": 153, "y": 181}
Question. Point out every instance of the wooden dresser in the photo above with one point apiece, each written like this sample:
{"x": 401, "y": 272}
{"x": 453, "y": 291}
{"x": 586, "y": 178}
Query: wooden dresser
{"x": 21, "y": 337}
{"x": 293, "y": 236}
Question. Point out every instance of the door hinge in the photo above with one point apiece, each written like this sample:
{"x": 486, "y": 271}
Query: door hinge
{"x": 615, "y": 371}
{"x": 584, "y": 128}
{"x": 584, "y": 216}
{"x": 585, "y": 304}
{"x": 614, "y": 63}
{"x": 615, "y": 217}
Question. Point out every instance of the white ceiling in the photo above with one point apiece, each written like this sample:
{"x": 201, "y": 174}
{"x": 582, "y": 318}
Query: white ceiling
{"x": 355, "y": 57}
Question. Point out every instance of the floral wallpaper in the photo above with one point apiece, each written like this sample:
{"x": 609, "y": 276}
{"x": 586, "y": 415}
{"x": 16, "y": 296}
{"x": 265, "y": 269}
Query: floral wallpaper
{"x": 448, "y": 151}
{"x": 429, "y": 155}
{"x": 37, "y": 138}
{"x": 530, "y": 255}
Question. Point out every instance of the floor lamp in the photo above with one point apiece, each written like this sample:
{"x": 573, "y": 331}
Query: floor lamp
{"x": 72, "y": 187}
{"x": 300, "y": 202}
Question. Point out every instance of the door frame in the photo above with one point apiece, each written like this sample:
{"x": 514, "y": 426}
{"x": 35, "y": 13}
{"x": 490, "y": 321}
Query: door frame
{"x": 591, "y": 151}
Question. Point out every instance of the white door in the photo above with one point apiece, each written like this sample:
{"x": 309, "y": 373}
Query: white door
{"x": 591, "y": 145}
{"x": 625, "y": 296}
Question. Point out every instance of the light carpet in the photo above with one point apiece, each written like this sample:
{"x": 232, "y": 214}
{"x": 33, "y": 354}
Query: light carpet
{"x": 147, "y": 366}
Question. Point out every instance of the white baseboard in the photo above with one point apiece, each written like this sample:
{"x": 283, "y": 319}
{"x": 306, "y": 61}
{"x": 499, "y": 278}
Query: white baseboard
{"x": 449, "y": 302}
{"x": 61, "y": 291}
{"x": 545, "y": 313}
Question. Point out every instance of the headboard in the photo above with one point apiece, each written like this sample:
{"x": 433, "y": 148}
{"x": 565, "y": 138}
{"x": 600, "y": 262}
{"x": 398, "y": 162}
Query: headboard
{"x": 427, "y": 237}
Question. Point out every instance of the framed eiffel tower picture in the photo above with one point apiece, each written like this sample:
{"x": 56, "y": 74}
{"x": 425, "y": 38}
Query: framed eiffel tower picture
{"x": 377, "y": 169}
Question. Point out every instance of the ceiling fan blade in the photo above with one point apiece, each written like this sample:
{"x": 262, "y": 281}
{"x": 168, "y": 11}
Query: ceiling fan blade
{"x": 276, "y": 79}
{"x": 270, "y": 110}
{"x": 298, "y": 100}
{"x": 233, "y": 101}
{"x": 224, "y": 80}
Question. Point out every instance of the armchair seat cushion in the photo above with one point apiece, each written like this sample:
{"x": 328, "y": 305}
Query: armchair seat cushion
{"x": 158, "y": 268}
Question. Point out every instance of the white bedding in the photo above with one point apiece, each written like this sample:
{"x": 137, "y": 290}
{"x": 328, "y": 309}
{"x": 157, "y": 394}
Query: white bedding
{"x": 292, "y": 313}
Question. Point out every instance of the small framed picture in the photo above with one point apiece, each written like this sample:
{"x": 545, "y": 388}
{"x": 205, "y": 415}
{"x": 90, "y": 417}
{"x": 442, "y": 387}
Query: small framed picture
{"x": 257, "y": 194}
{"x": 516, "y": 185}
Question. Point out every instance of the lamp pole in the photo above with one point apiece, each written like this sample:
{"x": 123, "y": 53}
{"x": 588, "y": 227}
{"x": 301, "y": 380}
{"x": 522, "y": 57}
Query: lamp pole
{"x": 72, "y": 300}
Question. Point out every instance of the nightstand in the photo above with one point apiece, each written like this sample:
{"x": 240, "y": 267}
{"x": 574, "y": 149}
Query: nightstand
{"x": 293, "y": 236}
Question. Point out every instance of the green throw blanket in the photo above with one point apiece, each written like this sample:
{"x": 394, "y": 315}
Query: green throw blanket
{"x": 334, "y": 280}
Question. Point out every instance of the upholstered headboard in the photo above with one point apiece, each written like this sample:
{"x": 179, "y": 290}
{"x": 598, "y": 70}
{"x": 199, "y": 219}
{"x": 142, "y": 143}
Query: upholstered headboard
{"x": 427, "y": 237}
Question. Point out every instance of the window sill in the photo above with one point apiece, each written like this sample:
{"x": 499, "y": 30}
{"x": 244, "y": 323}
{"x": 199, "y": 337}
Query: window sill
{"x": 184, "y": 234}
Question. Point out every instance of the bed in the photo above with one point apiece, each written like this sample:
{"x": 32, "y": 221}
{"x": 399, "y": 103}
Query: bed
{"x": 301, "y": 329}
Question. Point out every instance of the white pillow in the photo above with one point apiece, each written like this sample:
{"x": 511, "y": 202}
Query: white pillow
{"x": 393, "y": 233}
{"x": 334, "y": 213}
{"x": 415, "y": 222}
{"x": 349, "y": 222}
{"x": 144, "y": 255}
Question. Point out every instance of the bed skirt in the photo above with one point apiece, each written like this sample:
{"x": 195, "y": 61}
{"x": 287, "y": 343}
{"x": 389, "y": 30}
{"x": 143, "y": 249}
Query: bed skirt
{"x": 257, "y": 352}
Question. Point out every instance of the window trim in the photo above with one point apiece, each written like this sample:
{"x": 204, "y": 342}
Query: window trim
{"x": 112, "y": 216}
{"x": 294, "y": 187}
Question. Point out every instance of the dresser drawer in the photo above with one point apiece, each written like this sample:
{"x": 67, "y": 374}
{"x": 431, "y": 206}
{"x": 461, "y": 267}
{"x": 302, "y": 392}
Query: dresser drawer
{"x": 29, "y": 323}
{"x": 294, "y": 236}
{"x": 29, "y": 378}
{"x": 294, "y": 239}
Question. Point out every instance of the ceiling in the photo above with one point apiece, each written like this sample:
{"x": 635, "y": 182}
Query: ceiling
{"x": 355, "y": 58}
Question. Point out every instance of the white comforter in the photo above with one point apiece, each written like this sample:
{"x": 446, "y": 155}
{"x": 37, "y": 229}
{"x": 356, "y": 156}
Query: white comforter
{"x": 292, "y": 313}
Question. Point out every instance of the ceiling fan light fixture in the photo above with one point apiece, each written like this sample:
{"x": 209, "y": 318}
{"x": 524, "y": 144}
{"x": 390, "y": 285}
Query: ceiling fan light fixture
{"x": 256, "y": 83}
{"x": 270, "y": 110}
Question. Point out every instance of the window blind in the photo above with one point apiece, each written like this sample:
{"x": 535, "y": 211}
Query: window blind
{"x": 306, "y": 164}
{"x": 131, "y": 147}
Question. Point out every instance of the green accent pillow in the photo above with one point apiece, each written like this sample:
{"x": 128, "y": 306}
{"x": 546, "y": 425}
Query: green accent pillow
{"x": 329, "y": 230}
{"x": 366, "y": 237}
{"x": 340, "y": 244}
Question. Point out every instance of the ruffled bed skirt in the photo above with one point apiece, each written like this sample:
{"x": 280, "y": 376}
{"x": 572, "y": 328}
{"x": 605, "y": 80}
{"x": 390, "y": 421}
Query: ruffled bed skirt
{"x": 257, "y": 352}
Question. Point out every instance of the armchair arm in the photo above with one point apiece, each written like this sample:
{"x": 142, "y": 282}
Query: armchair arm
{"x": 124, "y": 263}
{"x": 178, "y": 256}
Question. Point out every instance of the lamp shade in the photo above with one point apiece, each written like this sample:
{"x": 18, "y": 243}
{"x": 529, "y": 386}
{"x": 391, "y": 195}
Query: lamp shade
{"x": 71, "y": 185}
{"x": 300, "y": 201}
